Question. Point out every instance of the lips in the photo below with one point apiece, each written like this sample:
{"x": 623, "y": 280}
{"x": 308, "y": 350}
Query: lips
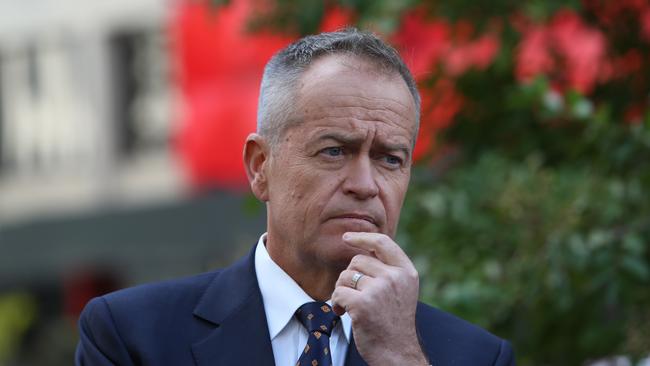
{"x": 357, "y": 216}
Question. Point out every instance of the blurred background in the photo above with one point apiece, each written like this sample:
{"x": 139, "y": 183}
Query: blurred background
{"x": 122, "y": 124}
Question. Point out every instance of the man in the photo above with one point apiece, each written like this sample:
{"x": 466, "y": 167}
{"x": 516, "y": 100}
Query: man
{"x": 337, "y": 121}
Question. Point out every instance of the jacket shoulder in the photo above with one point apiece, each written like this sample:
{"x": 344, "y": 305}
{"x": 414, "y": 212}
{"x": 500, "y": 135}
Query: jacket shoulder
{"x": 174, "y": 293}
{"x": 151, "y": 308}
{"x": 449, "y": 340}
{"x": 146, "y": 324}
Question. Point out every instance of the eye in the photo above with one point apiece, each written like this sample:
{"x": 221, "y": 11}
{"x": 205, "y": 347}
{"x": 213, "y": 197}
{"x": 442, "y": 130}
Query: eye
{"x": 393, "y": 160}
{"x": 333, "y": 151}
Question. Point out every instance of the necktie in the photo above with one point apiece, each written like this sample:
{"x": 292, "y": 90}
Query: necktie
{"x": 319, "y": 319}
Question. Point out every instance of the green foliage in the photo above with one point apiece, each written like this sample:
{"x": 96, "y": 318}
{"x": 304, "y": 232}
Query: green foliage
{"x": 555, "y": 259}
{"x": 297, "y": 16}
{"x": 486, "y": 9}
{"x": 304, "y": 16}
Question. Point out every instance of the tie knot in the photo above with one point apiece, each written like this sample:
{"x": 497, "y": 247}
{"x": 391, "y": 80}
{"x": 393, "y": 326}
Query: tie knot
{"x": 317, "y": 316}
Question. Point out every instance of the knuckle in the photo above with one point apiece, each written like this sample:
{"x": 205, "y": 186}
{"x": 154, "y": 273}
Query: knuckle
{"x": 413, "y": 274}
{"x": 394, "y": 277}
{"x": 354, "y": 262}
{"x": 357, "y": 261}
{"x": 386, "y": 283}
{"x": 384, "y": 239}
{"x": 342, "y": 277}
{"x": 335, "y": 295}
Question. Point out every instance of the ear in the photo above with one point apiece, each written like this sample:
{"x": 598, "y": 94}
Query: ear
{"x": 256, "y": 159}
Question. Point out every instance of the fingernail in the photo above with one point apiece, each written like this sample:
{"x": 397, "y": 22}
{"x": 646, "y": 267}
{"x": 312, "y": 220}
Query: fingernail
{"x": 346, "y": 236}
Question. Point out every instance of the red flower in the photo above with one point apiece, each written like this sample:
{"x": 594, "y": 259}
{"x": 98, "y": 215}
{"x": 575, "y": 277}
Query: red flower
{"x": 630, "y": 63}
{"x": 611, "y": 13}
{"x": 422, "y": 42}
{"x": 426, "y": 43}
{"x": 440, "y": 104}
{"x": 644, "y": 21}
{"x": 478, "y": 54}
{"x": 634, "y": 113}
{"x": 533, "y": 55}
{"x": 336, "y": 18}
{"x": 568, "y": 50}
{"x": 583, "y": 49}
{"x": 484, "y": 50}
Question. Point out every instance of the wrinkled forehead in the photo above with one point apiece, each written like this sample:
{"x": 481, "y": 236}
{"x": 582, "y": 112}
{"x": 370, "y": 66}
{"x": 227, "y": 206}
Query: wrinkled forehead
{"x": 339, "y": 88}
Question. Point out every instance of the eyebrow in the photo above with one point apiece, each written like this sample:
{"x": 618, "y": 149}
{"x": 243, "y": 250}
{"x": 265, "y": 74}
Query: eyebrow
{"x": 346, "y": 139}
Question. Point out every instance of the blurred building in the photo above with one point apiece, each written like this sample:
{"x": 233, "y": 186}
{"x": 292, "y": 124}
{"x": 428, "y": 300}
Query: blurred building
{"x": 85, "y": 107}
{"x": 90, "y": 187}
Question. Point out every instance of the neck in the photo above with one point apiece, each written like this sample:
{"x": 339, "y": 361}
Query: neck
{"x": 316, "y": 279}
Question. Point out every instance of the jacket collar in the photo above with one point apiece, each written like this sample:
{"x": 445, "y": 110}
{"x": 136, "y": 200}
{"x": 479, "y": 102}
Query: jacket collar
{"x": 232, "y": 304}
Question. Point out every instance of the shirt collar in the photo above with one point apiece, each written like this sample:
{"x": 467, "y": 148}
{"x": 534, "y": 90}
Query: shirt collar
{"x": 281, "y": 295}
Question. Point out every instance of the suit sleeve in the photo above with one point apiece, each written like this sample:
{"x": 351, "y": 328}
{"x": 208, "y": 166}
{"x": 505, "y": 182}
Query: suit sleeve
{"x": 506, "y": 355}
{"x": 99, "y": 341}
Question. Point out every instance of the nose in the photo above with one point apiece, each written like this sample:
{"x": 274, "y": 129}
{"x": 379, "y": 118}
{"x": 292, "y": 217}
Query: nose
{"x": 360, "y": 180}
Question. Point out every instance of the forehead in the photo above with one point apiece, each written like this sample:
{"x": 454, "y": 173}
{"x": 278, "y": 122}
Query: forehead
{"x": 341, "y": 91}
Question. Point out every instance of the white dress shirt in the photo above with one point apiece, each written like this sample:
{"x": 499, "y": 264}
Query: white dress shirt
{"x": 282, "y": 296}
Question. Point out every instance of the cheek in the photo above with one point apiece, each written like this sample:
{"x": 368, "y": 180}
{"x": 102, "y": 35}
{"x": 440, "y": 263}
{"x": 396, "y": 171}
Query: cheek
{"x": 308, "y": 190}
{"x": 323, "y": 187}
{"x": 318, "y": 192}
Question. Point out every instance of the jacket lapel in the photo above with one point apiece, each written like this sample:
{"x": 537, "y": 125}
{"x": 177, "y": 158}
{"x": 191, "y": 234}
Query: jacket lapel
{"x": 232, "y": 304}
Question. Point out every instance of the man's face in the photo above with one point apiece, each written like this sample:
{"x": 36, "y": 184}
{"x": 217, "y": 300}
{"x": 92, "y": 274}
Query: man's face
{"x": 345, "y": 166}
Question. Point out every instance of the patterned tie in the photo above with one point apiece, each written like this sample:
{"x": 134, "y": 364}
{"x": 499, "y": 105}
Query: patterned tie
{"x": 319, "y": 319}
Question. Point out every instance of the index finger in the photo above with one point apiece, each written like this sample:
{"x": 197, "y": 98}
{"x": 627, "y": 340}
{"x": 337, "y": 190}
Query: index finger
{"x": 381, "y": 246}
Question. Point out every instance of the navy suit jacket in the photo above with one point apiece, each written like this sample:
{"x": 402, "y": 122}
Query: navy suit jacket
{"x": 218, "y": 318}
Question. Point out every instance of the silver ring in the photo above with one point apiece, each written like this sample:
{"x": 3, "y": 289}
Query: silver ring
{"x": 355, "y": 279}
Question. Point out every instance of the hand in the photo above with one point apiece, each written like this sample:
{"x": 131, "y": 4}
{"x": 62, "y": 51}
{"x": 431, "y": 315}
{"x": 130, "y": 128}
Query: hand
{"x": 382, "y": 306}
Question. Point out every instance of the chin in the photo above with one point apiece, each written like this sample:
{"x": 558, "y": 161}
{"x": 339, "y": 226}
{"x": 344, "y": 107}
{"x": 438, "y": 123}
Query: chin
{"x": 333, "y": 252}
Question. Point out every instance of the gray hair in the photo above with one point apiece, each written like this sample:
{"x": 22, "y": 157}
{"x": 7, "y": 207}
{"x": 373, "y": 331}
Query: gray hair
{"x": 283, "y": 71}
